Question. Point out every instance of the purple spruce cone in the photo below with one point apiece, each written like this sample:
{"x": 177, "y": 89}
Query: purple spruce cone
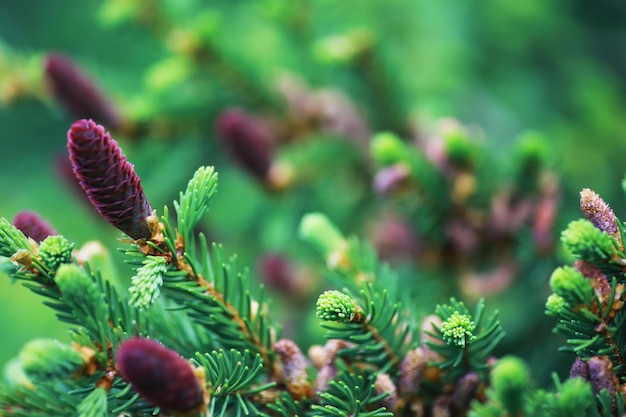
{"x": 110, "y": 181}
{"x": 159, "y": 375}
{"x": 33, "y": 226}
{"x": 71, "y": 86}
{"x": 246, "y": 141}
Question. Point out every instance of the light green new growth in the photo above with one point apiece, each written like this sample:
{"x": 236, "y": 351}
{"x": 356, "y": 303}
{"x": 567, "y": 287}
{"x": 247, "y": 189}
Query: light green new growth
{"x": 94, "y": 405}
{"x": 335, "y": 306}
{"x": 460, "y": 149}
{"x": 458, "y": 329}
{"x": 14, "y": 374}
{"x": 532, "y": 147}
{"x": 509, "y": 380}
{"x": 575, "y": 395}
{"x": 12, "y": 239}
{"x": 146, "y": 284}
{"x": 555, "y": 304}
{"x": 55, "y": 251}
{"x": 86, "y": 300}
{"x": 388, "y": 149}
{"x": 587, "y": 242}
{"x": 194, "y": 202}
{"x": 570, "y": 284}
{"x": 49, "y": 358}
{"x": 319, "y": 231}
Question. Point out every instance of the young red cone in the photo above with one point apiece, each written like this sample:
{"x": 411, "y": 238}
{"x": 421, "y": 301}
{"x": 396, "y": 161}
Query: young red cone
{"x": 109, "y": 180}
{"x": 159, "y": 375}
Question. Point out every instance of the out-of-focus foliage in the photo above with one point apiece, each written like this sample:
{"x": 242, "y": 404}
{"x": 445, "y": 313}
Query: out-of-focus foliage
{"x": 320, "y": 79}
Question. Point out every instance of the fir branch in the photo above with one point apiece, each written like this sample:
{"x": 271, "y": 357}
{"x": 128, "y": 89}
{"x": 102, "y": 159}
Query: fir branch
{"x": 49, "y": 399}
{"x": 231, "y": 377}
{"x": 374, "y": 330}
{"x": 22, "y": 251}
{"x": 94, "y": 404}
{"x": 463, "y": 342}
{"x": 286, "y": 406}
{"x": 224, "y": 304}
{"x": 351, "y": 393}
{"x": 588, "y": 335}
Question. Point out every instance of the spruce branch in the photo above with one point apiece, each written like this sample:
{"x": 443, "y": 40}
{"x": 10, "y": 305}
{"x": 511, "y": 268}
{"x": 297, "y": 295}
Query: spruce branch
{"x": 375, "y": 332}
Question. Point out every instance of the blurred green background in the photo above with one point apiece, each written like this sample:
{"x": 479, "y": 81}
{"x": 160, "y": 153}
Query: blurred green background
{"x": 557, "y": 67}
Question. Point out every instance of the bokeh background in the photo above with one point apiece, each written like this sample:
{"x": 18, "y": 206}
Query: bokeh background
{"x": 171, "y": 67}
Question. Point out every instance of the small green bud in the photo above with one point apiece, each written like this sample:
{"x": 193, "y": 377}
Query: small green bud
{"x": 388, "y": 149}
{"x": 55, "y": 250}
{"x": 588, "y": 243}
{"x": 49, "y": 358}
{"x": 555, "y": 305}
{"x": 571, "y": 285}
{"x": 72, "y": 279}
{"x": 458, "y": 329}
{"x": 335, "y": 306}
{"x": 343, "y": 48}
{"x": 460, "y": 149}
{"x": 509, "y": 380}
{"x": 318, "y": 230}
{"x": 532, "y": 148}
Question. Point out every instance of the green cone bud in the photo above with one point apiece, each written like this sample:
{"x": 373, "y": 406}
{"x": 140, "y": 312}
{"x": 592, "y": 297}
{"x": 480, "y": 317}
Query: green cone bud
{"x": 335, "y": 306}
{"x": 555, "y": 305}
{"x": 55, "y": 251}
{"x": 388, "y": 149}
{"x": 457, "y": 329}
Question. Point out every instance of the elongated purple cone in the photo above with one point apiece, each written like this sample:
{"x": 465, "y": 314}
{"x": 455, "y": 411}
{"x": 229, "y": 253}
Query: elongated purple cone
{"x": 246, "y": 141}
{"x": 33, "y": 226}
{"x": 77, "y": 93}
{"x": 159, "y": 375}
{"x": 109, "y": 180}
